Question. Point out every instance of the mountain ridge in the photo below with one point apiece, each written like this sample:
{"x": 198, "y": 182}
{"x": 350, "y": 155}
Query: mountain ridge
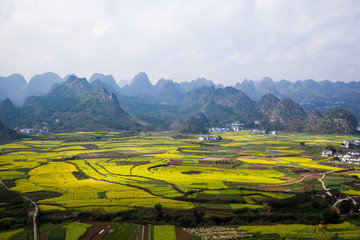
{"x": 73, "y": 105}
{"x": 159, "y": 106}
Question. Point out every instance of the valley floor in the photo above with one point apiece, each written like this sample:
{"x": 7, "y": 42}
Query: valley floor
{"x": 155, "y": 184}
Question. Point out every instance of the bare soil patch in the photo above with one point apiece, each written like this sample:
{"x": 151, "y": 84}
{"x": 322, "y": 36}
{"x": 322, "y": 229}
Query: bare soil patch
{"x": 44, "y": 236}
{"x": 139, "y": 232}
{"x": 93, "y": 232}
{"x": 306, "y": 187}
{"x": 219, "y": 213}
{"x": 257, "y": 167}
{"x": 146, "y": 234}
{"x": 181, "y": 234}
{"x": 314, "y": 177}
{"x": 176, "y": 161}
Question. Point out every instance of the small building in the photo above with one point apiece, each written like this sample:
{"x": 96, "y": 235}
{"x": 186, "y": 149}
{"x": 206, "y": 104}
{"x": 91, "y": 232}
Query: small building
{"x": 348, "y": 143}
{"x": 211, "y": 138}
{"x": 326, "y": 153}
{"x": 219, "y": 129}
{"x": 257, "y": 131}
{"x": 216, "y": 138}
{"x": 236, "y": 126}
{"x": 356, "y": 202}
{"x": 28, "y": 131}
{"x": 332, "y": 193}
{"x": 351, "y": 157}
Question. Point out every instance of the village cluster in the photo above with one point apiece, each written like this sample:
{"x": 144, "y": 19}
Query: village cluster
{"x": 41, "y": 129}
{"x": 352, "y": 157}
{"x": 228, "y": 127}
{"x": 237, "y": 126}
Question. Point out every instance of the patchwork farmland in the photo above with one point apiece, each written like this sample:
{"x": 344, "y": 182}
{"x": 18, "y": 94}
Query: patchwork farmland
{"x": 150, "y": 185}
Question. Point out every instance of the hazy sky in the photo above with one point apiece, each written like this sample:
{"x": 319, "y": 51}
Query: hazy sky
{"x": 225, "y": 41}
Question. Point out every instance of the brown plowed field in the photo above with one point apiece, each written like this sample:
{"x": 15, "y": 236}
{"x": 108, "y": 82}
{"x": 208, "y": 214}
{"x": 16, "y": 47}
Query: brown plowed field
{"x": 93, "y": 232}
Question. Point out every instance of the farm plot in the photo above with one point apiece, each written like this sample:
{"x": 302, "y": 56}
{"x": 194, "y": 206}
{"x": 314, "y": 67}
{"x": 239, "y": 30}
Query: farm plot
{"x": 297, "y": 231}
{"x": 164, "y": 232}
{"x": 307, "y": 162}
{"x": 75, "y": 230}
{"x": 120, "y": 232}
{"x": 84, "y": 194}
{"x": 119, "y": 171}
{"x": 211, "y": 176}
{"x": 155, "y": 186}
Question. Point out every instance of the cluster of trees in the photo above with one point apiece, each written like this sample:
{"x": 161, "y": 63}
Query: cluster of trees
{"x": 6, "y": 133}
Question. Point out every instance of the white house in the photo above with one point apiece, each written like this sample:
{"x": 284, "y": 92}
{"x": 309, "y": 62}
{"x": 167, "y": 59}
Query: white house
{"x": 236, "y": 126}
{"x": 211, "y": 138}
{"x": 326, "y": 153}
{"x": 348, "y": 143}
{"x": 351, "y": 157}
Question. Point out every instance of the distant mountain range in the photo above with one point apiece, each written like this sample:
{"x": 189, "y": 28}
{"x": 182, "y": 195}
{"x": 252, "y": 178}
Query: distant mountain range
{"x": 17, "y": 89}
{"x": 73, "y": 104}
{"x": 323, "y": 95}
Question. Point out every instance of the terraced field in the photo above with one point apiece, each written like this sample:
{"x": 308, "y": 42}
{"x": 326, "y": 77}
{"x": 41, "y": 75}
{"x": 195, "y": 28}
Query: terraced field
{"x": 110, "y": 173}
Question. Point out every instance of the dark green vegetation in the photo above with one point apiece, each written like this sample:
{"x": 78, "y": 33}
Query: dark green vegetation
{"x": 7, "y": 134}
{"x": 14, "y": 209}
{"x": 121, "y": 232}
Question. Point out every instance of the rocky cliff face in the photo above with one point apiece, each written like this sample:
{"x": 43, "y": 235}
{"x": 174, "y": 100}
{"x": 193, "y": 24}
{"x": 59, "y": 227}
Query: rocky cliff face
{"x": 337, "y": 121}
{"x": 267, "y": 103}
{"x": 313, "y": 118}
{"x": 289, "y": 114}
{"x": 221, "y": 105}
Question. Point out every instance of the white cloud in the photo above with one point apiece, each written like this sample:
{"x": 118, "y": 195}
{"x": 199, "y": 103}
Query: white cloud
{"x": 221, "y": 40}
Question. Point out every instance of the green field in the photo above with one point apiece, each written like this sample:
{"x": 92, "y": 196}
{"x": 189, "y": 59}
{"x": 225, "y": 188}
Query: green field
{"x": 297, "y": 231}
{"x": 132, "y": 172}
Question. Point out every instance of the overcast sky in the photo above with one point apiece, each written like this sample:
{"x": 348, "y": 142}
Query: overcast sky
{"x": 225, "y": 41}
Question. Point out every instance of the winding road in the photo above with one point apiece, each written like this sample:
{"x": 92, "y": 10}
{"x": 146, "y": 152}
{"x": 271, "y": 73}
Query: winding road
{"x": 306, "y": 176}
{"x": 34, "y": 216}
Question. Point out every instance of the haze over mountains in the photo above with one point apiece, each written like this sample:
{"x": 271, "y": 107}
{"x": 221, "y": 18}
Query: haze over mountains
{"x": 72, "y": 103}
